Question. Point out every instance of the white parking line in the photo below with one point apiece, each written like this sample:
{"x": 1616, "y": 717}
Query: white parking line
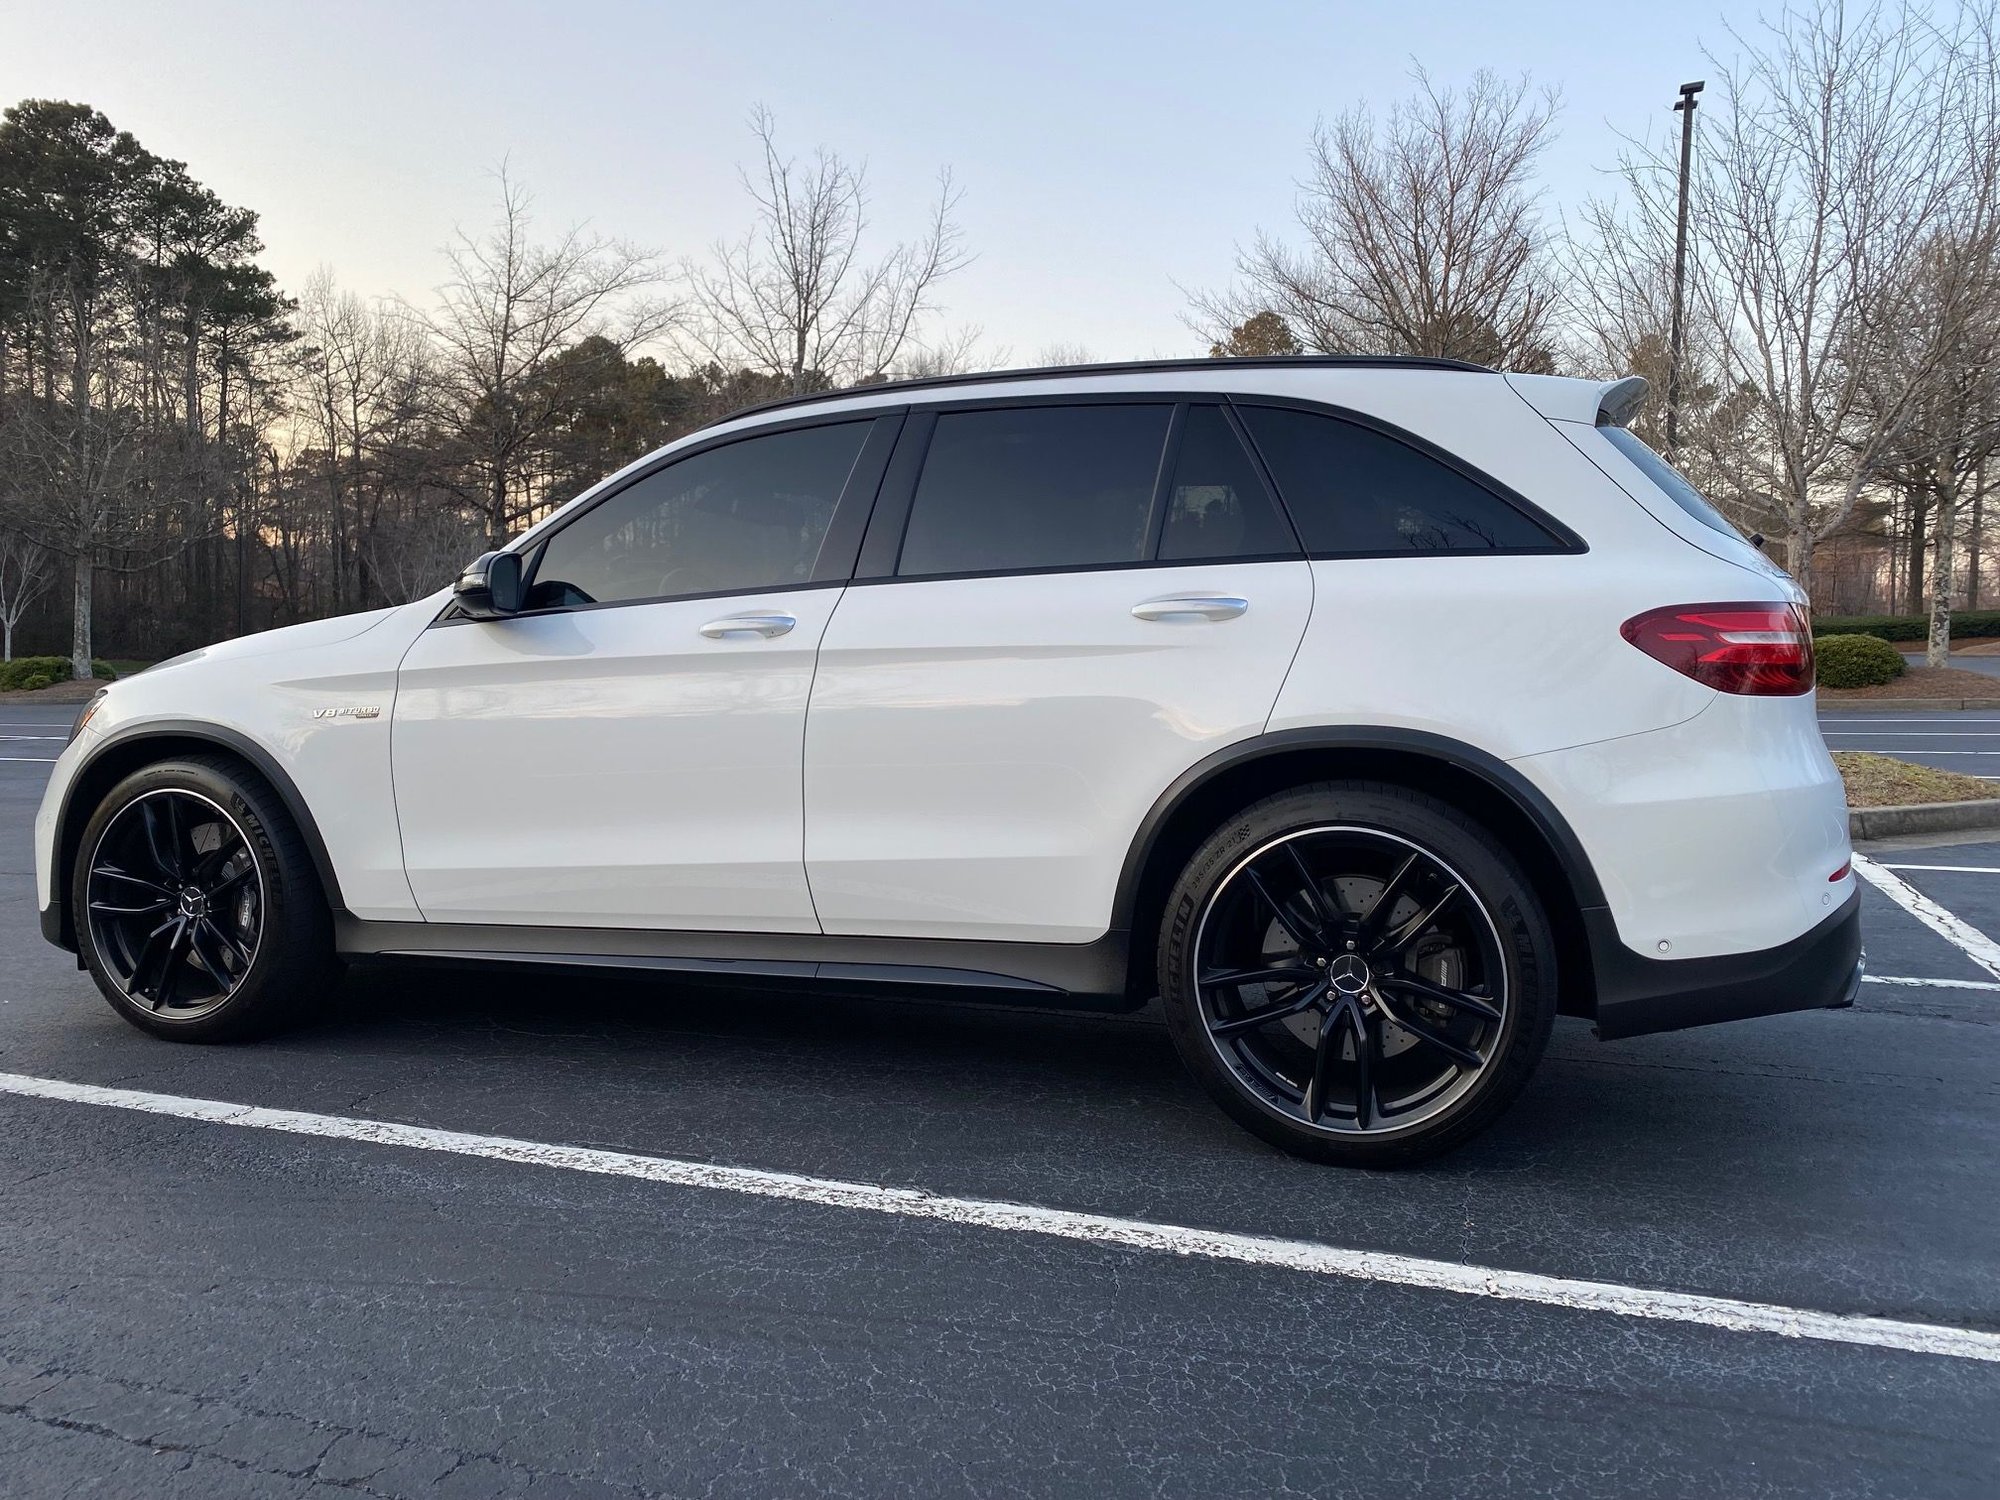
{"x": 1911, "y": 734}
{"x": 30, "y": 736}
{"x": 1948, "y": 869}
{"x": 1962, "y": 935}
{"x": 47, "y": 760}
{"x": 1021, "y": 1218}
{"x": 1910, "y": 982}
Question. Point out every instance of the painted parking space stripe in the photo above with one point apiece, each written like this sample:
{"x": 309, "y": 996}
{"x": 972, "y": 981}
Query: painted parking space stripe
{"x": 1946, "y": 869}
{"x": 47, "y": 760}
{"x": 1961, "y": 934}
{"x": 1021, "y": 1218}
{"x": 1910, "y": 981}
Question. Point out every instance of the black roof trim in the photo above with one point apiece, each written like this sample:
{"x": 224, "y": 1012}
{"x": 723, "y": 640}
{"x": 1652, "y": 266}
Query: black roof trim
{"x": 1125, "y": 367}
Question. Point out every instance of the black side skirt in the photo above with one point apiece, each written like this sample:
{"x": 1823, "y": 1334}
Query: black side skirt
{"x": 1089, "y": 976}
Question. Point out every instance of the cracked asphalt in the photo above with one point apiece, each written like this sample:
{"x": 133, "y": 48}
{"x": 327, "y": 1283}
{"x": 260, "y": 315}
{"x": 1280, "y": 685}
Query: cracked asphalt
{"x": 195, "y": 1309}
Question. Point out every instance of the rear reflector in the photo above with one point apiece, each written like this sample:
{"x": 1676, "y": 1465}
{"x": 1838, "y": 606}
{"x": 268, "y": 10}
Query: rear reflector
{"x": 1761, "y": 649}
{"x": 1841, "y": 873}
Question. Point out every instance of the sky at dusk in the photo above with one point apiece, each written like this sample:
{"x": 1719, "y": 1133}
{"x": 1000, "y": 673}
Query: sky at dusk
{"x": 1110, "y": 153}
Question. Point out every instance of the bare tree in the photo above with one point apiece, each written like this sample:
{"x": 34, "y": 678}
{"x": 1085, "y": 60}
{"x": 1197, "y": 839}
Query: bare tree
{"x": 794, "y": 298}
{"x": 359, "y": 374}
{"x": 509, "y": 306}
{"x": 1422, "y": 234}
{"x": 1831, "y": 160}
{"x": 415, "y": 553}
{"x": 1933, "y": 369}
{"x": 26, "y": 570}
{"x": 73, "y": 466}
{"x": 955, "y": 352}
{"x": 1051, "y": 355}
{"x": 1617, "y": 259}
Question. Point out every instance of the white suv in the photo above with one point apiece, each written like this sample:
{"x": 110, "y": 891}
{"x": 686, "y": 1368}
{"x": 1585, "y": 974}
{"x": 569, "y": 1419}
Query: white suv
{"x": 1370, "y": 712}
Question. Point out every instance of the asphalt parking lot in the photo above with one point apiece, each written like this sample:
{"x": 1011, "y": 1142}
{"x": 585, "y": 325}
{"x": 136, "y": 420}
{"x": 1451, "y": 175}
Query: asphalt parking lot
{"x": 292, "y": 1304}
{"x": 1967, "y": 742}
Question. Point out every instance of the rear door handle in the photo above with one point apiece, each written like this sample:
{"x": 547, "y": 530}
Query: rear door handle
{"x": 738, "y": 626}
{"x": 1182, "y": 608}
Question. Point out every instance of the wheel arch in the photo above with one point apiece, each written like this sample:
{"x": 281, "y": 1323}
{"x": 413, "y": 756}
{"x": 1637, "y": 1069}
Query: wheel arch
{"x": 1481, "y": 785}
{"x": 124, "y": 751}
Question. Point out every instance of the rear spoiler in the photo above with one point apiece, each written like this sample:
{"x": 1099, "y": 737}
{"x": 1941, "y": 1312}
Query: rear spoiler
{"x": 1596, "y": 403}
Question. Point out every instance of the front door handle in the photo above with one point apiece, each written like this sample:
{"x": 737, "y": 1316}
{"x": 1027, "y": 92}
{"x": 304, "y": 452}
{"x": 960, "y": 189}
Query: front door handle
{"x": 738, "y": 626}
{"x": 1181, "y": 608}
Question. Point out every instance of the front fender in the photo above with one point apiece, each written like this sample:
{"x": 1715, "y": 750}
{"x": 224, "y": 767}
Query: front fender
{"x": 308, "y": 707}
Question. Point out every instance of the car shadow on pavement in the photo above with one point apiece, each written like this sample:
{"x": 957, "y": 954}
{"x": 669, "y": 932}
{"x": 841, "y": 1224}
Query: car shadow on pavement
{"x": 943, "y": 1093}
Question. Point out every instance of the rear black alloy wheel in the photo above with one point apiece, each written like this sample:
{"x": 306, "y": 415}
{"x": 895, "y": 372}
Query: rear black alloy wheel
{"x": 1358, "y": 973}
{"x": 1351, "y": 978}
{"x": 197, "y": 907}
{"x": 175, "y": 902}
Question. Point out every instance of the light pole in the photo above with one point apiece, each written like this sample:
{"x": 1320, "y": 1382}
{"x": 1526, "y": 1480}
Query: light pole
{"x": 1686, "y": 108}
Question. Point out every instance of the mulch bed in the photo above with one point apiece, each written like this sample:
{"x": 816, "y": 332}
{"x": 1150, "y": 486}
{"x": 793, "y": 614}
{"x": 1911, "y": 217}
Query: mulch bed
{"x": 1921, "y": 682}
{"x": 55, "y": 692}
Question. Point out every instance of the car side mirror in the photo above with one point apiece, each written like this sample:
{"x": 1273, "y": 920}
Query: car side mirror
{"x": 490, "y": 586}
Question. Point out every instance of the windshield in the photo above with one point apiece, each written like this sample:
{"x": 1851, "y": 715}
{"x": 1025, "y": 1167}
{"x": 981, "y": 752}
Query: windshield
{"x": 1671, "y": 481}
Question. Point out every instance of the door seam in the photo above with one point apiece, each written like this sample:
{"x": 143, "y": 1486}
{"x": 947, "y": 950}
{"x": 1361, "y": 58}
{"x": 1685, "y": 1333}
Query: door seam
{"x": 805, "y": 732}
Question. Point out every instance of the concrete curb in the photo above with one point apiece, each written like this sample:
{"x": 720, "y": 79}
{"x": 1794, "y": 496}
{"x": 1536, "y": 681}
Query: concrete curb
{"x": 1922, "y": 817}
{"x": 1896, "y": 705}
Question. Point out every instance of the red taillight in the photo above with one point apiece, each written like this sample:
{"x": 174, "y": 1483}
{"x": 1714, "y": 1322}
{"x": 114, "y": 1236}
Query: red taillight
{"x": 1761, "y": 649}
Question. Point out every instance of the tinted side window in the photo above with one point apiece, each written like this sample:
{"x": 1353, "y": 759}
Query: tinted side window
{"x": 1352, "y": 489}
{"x": 747, "y": 516}
{"x": 1012, "y": 489}
{"x": 1217, "y": 507}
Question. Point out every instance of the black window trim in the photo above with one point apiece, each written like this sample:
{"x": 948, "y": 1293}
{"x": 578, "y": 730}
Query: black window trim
{"x": 838, "y": 551}
{"x": 876, "y": 504}
{"x": 883, "y": 544}
{"x": 882, "y": 549}
{"x": 1567, "y": 542}
{"x": 1271, "y": 495}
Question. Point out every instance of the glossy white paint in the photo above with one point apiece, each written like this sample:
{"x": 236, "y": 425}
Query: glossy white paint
{"x": 980, "y": 751}
{"x": 1512, "y": 658}
{"x": 267, "y": 688}
{"x": 1715, "y": 835}
{"x": 611, "y": 767}
{"x": 1588, "y": 440}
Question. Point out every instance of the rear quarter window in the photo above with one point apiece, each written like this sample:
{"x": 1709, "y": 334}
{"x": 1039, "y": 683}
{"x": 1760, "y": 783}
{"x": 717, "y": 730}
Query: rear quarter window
{"x": 1669, "y": 480}
{"x": 1355, "y": 491}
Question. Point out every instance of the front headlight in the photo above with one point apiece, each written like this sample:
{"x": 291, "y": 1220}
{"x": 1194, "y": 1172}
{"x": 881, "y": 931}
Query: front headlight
{"x": 89, "y": 709}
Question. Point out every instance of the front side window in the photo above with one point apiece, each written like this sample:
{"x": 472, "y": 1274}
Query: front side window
{"x": 1351, "y": 489}
{"x": 1021, "y": 489}
{"x": 1217, "y": 507}
{"x": 741, "y": 518}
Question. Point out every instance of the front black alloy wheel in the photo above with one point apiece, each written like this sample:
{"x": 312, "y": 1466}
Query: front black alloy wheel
{"x": 175, "y": 902}
{"x": 197, "y": 909}
{"x": 1357, "y": 973}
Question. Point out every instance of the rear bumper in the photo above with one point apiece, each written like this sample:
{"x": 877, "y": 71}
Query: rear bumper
{"x": 1818, "y": 970}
